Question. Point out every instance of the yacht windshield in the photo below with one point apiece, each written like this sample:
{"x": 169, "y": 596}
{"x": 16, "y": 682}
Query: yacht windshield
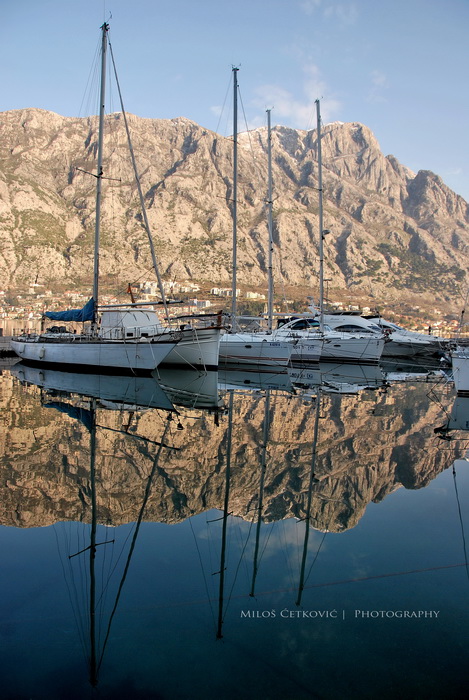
{"x": 351, "y": 328}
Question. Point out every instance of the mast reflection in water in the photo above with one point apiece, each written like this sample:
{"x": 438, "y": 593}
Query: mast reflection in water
{"x": 200, "y": 506}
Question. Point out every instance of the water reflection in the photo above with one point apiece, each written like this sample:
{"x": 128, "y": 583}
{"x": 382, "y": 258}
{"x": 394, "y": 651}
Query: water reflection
{"x": 113, "y": 392}
{"x": 273, "y": 475}
{"x": 457, "y": 419}
{"x": 366, "y": 443}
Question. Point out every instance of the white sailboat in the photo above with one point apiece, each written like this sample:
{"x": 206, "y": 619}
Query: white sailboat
{"x": 261, "y": 348}
{"x": 133, "y": 344}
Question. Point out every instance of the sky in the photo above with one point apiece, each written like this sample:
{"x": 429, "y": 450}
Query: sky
{"x": 398, "y": 66}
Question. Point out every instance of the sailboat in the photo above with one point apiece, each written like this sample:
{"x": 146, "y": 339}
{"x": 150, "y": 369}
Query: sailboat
{"x": 260, "y": 348}
{"x": 198, "y": 346}
{"x": 309, "y": 332}
{"x": 132, "y": 341}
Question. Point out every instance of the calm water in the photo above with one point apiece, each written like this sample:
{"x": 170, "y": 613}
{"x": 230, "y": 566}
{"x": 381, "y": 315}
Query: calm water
{"x": 135, "y": 564}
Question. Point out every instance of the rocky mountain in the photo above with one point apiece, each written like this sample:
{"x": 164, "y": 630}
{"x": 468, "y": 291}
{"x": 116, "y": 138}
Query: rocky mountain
{"x": 394, "y": 234}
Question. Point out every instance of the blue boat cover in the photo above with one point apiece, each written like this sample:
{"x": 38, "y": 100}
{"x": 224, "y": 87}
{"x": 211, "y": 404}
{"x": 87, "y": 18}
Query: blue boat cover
{"x": 84, "y": 314}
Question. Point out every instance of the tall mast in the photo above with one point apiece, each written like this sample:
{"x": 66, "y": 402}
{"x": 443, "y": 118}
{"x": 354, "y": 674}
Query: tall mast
{"x": 235, "y": 193}
{"x": 270, "y": 293}
{"x": 321, "y": 223}
{"x": 99, "y": 172}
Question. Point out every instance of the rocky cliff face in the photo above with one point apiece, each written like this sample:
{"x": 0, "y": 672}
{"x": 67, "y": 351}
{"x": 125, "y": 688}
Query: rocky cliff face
{"x": 368, "y": 445}
{"x": 395, "y": 233}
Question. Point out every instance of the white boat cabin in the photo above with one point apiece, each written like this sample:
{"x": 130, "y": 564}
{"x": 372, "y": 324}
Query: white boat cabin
{"x": 122, "y": 324}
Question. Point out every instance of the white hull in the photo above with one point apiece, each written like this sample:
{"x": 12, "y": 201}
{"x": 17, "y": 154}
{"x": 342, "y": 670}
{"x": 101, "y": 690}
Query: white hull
{"x": 460, "y": 362}
{"x": 253, "y": 349}
{"x": 81, "y": 353}
{"x": 366, "y": 350}
{"x": 305, "y": 347}
{"x": 198, "y": 348}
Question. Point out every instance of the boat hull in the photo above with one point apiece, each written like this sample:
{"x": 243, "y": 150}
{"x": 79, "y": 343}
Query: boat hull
{"x": 362, "y": 350}
{"x": 305, "y": 347}
{"x": 305, "y": 351}
{"x": 253, "y": 349}
{"x": 198, "y": 348}
{"x": 85, "y": 355}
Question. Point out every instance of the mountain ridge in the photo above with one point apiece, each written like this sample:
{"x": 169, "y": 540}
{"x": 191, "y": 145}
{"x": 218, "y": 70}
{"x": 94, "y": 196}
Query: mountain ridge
{"x": 394, "y": 234}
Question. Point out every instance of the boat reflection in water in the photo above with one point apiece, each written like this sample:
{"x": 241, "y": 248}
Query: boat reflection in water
{"x": 182, "y": 537}
{"x": 168, "y": 388}
{"x": 191, "y": 388}
{"x": 118, "y": 390}
{"x": 255, "y": 380}
{"x": 338, "y": 378}
{"x": 458, "y": 417}
{"x": 98, "y": 566}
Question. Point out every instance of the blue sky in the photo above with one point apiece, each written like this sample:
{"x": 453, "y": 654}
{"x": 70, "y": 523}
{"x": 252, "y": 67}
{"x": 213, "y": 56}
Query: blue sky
{"x": 398, "y": 66}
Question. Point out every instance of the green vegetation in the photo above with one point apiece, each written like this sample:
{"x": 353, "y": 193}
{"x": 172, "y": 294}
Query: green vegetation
{"x": 371, "y": 267}
{"x": 40, "y": 228}
{"x": 420, "y": 274}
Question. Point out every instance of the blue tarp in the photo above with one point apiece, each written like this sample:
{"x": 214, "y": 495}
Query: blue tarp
{"x": 84, "y": 314}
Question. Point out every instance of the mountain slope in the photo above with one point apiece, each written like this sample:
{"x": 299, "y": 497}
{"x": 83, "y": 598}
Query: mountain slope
{"x": 393, "y": 233}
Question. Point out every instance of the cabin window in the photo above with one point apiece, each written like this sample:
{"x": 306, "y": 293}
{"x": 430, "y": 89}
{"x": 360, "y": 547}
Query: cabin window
{"x": 349, "y": 328}
{"x": 305, "y": 323}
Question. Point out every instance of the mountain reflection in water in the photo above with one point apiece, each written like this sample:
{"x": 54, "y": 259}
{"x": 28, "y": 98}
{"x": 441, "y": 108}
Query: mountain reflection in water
{"x": 208, "y": 522}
